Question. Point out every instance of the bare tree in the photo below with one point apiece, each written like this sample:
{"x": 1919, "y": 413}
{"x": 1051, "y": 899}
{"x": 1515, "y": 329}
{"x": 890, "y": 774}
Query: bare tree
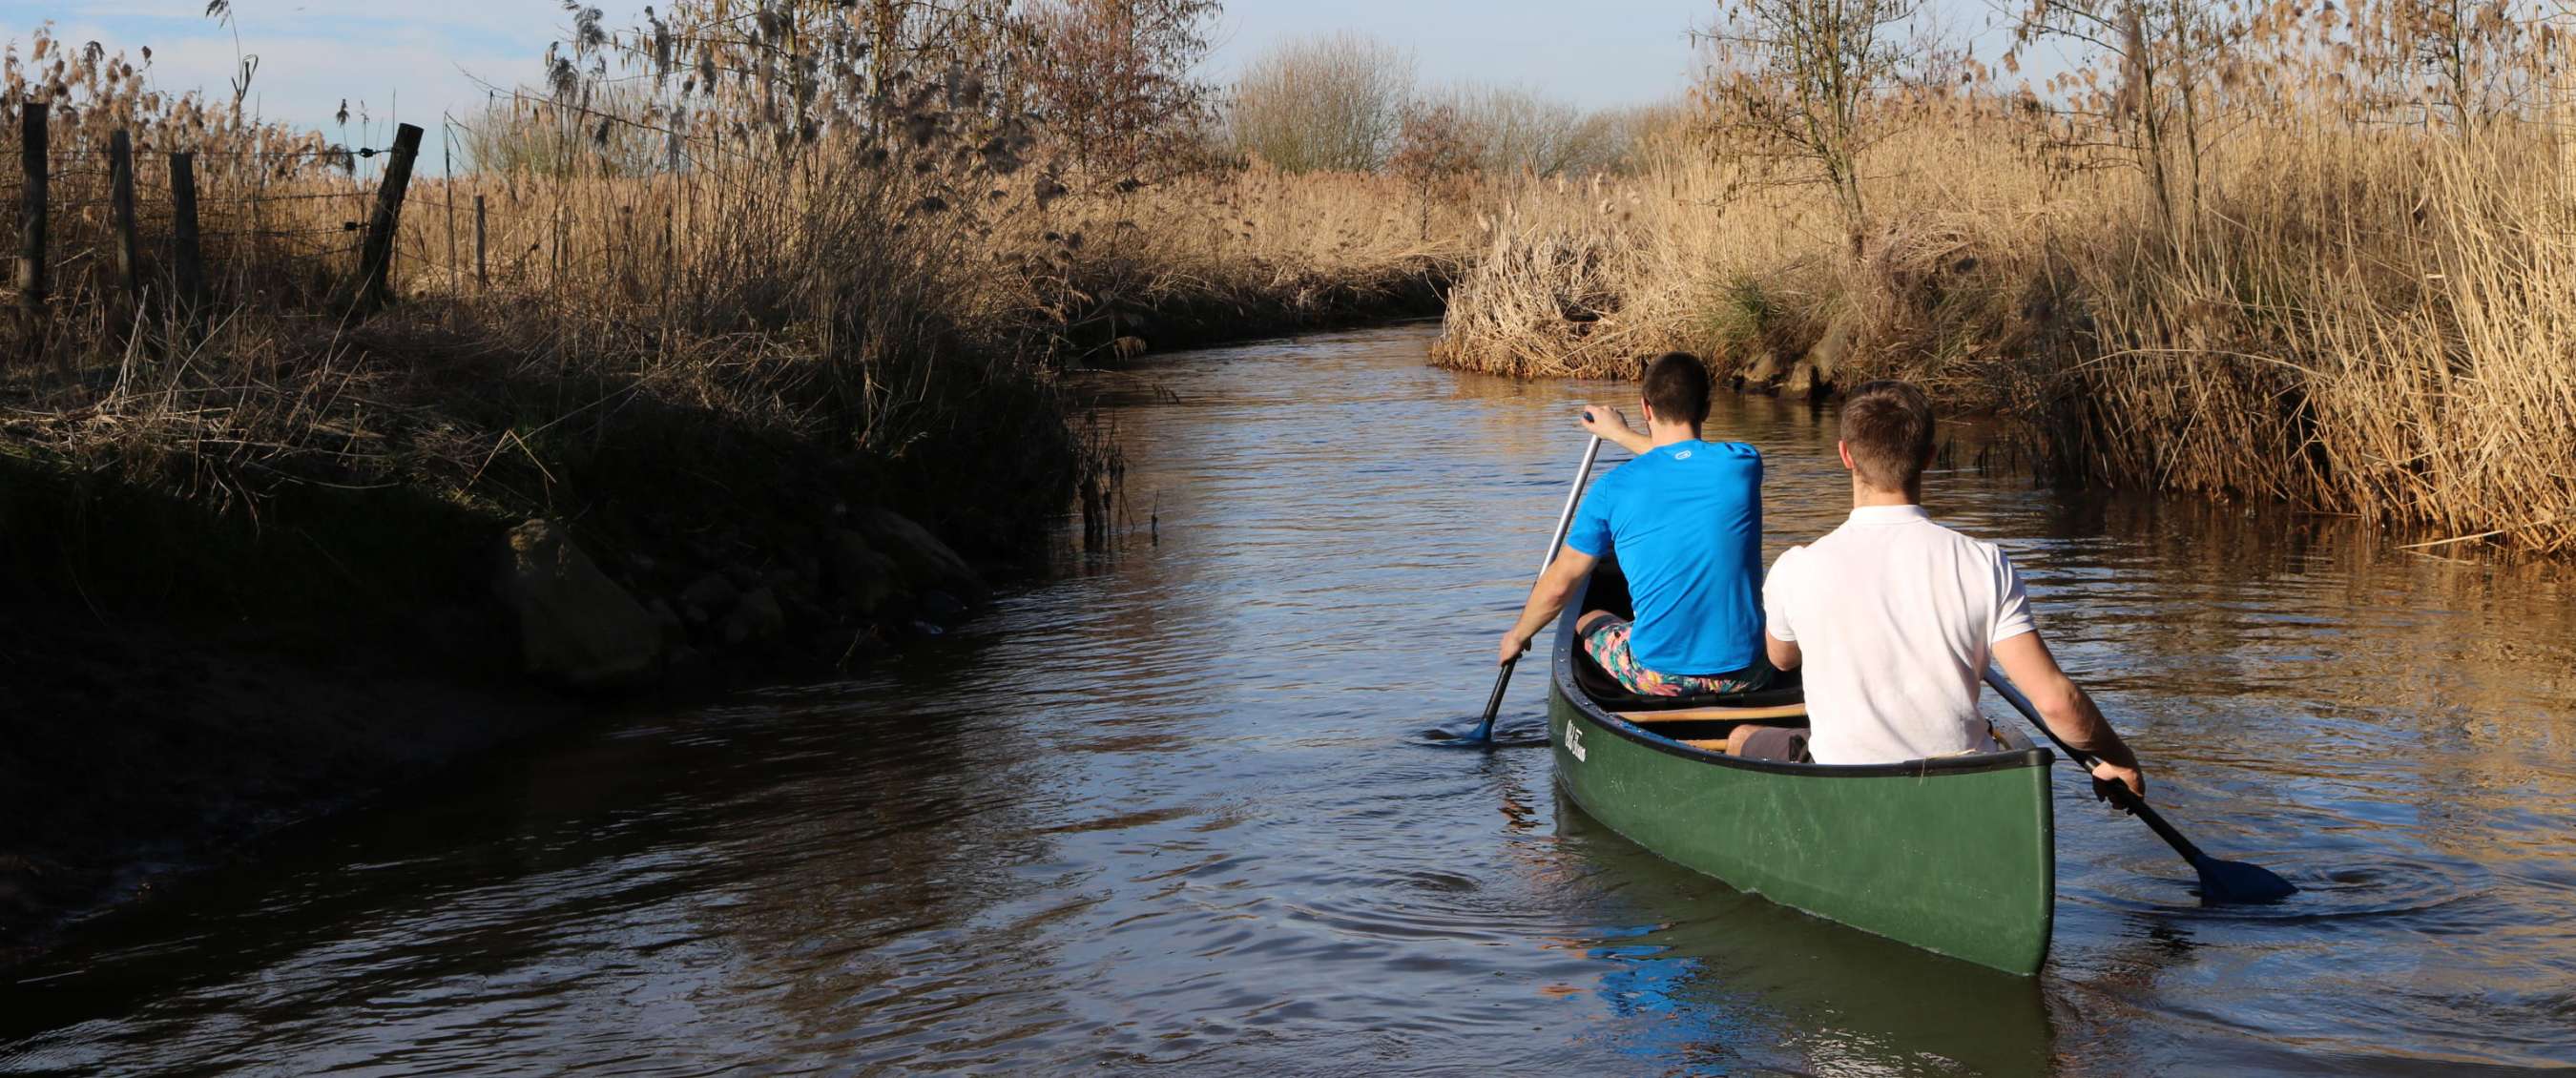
{"x": 1435, "y": 150}
{"x": 1334, "y": 102}
{"x": 1517, "y": 129}
{"x": 1115, "y": 81}
{"x": 1800, "y": 75}
{"x": 2472, "y": 59}
{"x": 1622, "y": 138}
{"x": 2152, "y": 90}
{"x": 525, "y": 137}
{"x": 797, "y": 68}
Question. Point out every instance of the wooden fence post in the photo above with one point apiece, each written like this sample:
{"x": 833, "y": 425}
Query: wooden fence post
{"x": 120, "y": 211}
{"x": 120, "y": 208}
{"x": 31, "y": 222}
{"x": 187, "y": 259}
{"x": 447, "y": 195}
{"x": 376, "y": 255}
{"x": 482, "y": 268}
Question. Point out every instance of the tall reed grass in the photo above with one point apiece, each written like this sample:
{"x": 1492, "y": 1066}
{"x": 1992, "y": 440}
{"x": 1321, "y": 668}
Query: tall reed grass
{"x": 905, "y": 284}
{"x": 2360, "y": 317}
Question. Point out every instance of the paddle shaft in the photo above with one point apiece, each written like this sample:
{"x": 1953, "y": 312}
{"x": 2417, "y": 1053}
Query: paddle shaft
{"x": 1573, "y": 494}
{"x": 1564, "y": 524}
{"x": 2121, "y": 795}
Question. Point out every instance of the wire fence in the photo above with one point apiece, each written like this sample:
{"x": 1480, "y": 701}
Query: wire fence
{"x": 114, "y": 216}
{"x": 243, "y": 224}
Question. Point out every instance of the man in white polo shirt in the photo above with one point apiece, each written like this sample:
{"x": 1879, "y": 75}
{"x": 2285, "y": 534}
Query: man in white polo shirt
{"x": 1894, "y": 617}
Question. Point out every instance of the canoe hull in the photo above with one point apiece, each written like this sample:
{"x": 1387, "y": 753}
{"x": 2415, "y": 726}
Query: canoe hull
{"x": 1956, "y": 856}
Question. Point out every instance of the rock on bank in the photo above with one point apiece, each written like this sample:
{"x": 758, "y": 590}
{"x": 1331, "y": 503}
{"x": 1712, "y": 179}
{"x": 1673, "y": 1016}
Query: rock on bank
{"x": 144, "y": 744}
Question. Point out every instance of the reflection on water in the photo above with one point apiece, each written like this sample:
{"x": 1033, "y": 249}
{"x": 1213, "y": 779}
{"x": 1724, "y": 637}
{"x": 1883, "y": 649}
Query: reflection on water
{"x": 1164, "y": 810}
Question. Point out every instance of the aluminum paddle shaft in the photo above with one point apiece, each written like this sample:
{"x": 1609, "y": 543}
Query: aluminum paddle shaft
{"x": 1573, "y": 494}
{"x": 1564, "y": 524}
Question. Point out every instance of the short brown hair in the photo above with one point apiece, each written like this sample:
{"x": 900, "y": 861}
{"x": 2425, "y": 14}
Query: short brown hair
{"x": 1887, "y": 428}
{"x": 1677, "y": 388}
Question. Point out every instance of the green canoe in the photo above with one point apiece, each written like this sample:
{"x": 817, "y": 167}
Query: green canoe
{"x": 1954, "y": 855}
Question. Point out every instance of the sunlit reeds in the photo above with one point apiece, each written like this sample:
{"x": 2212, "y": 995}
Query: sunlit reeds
{"x": 2357, "y": 306}
{"x": 884, "y": 257}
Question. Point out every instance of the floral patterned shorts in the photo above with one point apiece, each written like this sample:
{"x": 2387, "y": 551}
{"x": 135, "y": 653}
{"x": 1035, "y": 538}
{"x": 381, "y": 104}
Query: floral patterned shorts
{"x": 1607, "y": 643}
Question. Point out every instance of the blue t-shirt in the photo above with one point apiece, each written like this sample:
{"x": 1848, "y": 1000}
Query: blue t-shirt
{"x": 1686, "y": 522}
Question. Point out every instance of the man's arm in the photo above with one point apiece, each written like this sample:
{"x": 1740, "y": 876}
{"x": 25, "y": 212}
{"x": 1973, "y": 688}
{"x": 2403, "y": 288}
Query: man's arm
{"x": 1546, "y": 600}
{"x": 1604, "y": 422}
{"x": 2068, "y": 710}
{"x": 1779, "y": 640}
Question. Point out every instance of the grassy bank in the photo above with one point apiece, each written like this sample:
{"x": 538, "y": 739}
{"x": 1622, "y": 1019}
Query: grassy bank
{"x": 775, "y": 398}
{"x": 2354, "y": 316}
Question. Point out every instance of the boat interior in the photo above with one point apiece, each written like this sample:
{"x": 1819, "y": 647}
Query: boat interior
{"x": 1702, "y": 722}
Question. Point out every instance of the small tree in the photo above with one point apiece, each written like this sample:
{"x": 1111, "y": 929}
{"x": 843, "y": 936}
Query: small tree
{"x": 1434, "y": 150}
{"x": 2150, "y": 92}
{"x": 2474, "y": 59}
{"x": 1114, "y": 80}
{"x": 565, "y": 138}
{"x": 1333, "y": 102}
{"x": 1798, "y": 75}
{"x": 1517, "y": 129}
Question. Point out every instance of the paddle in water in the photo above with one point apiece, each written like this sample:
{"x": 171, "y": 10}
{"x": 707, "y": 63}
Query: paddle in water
{"x": 2220, "y": 881}
{"x": 1564, "y": 520}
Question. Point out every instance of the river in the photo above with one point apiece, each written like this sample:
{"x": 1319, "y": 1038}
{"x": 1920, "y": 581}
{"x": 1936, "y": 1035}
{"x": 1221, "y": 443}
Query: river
{"x": 1170, "y": 811}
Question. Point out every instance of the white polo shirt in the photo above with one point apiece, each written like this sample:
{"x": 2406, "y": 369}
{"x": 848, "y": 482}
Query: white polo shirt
{"x": 1895, "y": 618}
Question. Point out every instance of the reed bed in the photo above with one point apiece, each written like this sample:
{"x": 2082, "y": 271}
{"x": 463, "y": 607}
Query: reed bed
{"x": 2362, "y": 318}
{"x": 895, "y": 295}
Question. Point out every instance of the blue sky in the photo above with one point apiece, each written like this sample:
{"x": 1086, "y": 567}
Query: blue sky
{"x": 415, "y": 60}
{"x": 1601, "y": 52}
{"x": 313, "y": 53}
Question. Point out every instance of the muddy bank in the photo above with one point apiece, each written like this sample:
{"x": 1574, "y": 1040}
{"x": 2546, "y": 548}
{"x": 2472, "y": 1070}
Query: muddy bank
{"x": 138, "y": 751}
{"x": 1285, "y": 301}
{"x": 184, "y": 677}
{"x": 178, "y": 684}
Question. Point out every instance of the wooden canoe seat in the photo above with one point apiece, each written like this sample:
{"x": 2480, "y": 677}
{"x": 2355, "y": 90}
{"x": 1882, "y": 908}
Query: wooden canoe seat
{"x": 2006, "y": 740}
{"x": 1705, "y": 714}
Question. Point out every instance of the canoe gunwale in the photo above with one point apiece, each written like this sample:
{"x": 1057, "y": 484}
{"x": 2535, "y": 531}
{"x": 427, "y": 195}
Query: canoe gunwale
{"x": 1561, "y": 672}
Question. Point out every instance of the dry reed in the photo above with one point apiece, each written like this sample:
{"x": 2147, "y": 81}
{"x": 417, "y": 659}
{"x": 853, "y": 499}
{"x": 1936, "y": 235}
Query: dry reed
{"x": 907, "y": 286}
{"x": 2363, "y": 318}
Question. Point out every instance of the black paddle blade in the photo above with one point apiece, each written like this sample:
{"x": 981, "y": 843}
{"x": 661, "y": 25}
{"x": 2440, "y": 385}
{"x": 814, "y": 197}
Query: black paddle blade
{"x": 1483, "y": 732}
{"x": 2233, "y": 882}
{"x": 1465, "y": 733}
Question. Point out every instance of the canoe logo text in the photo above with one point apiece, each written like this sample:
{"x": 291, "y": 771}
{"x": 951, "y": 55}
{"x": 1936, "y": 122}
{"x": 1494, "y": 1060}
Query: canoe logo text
{"x": 1574, "y": 741}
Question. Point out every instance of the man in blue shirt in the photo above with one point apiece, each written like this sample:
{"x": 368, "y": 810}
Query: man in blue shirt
{"x": 1685, "y": 519}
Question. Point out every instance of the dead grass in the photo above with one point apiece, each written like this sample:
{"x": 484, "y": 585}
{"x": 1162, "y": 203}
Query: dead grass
{"x": 909, "y": 303}
{"x": 2362, "y": 319}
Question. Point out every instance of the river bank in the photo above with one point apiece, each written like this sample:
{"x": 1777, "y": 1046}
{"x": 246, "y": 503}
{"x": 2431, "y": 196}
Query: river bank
{"x": 185, "y": 677}
{"x": 1199, "y": 834}
{"x": 184, "y": 671}
{"x": 2339, "y": 316}
{"x": 318, "y": 478}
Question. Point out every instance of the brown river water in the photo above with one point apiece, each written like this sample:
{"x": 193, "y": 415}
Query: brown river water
{"x": 1170, "y": 812}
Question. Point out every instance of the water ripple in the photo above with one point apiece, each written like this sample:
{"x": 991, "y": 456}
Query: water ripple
{"x": 1166, "y": 811}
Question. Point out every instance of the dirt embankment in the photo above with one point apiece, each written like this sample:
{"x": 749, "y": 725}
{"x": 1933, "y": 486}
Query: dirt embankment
{"x": 138, "y": 750}
{"x": 180, "y": 676}
{"x": 176, "y": 683}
